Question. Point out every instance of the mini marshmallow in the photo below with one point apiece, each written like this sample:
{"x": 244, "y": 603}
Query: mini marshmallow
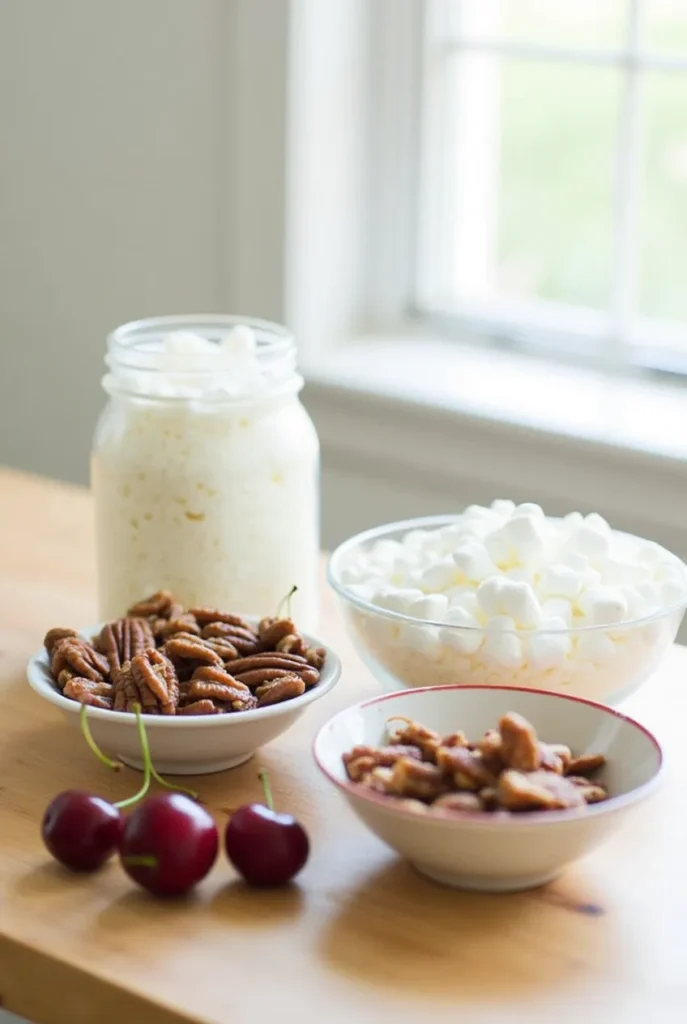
{"x": 459, "y": 597}
{"x": 416, "y": 539}
{"x": 596, "y": 647}
{"x": 431, "y": 607}
{"x": 590, "y": 541}
{"x": 502, "y": 645}
{"x": 520, "y": 574}
{"x": 239, "y": 342}
{"x": 548, "y": 651}
{"x": 560, "y": 581}
{"x": 614, "y": 571}
{"x": 528, "y": 508}
{"x": 604, "y": 605}
{"x": 473, "y": 562}
{"x": 558, "y": 608}
{"x": 650, "y": 553}
{"x": 571, "y": 523}
{"x": 394, "y": 599}
{"x": 440, "y": 576}
{"x": 519, "y": 542}
{"x": 423, "y": 639}
{"x": 503, "y": 507}
{"x": 575, "y": 561}
{"x": 518, "y": 600}
{"x": 183, "y": 343}
{"x": 597, "y": 522}
{"x": 466, "y": 640}
{"x": 672, "y": 592}
{"x": 384, "y": 551}
{"x": 489, "y": 595}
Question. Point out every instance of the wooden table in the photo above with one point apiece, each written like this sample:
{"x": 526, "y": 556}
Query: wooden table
{"x": 361, "y": 937}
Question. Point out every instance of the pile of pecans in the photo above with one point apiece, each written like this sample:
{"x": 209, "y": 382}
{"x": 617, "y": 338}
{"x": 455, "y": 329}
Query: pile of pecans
{"x": 176, "y": 661}
{"x": 508, "y": 770}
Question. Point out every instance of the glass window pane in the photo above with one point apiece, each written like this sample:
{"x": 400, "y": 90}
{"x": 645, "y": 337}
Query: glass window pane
{"x": 663, "y": 197}
{"x": 565, "y": 23}
{"x": 532, "y": 174}
{"x": 666, "y": 27}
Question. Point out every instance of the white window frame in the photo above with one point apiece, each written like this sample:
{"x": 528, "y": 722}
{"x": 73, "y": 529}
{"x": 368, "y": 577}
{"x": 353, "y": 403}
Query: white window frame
{"x": 616, "y": 339}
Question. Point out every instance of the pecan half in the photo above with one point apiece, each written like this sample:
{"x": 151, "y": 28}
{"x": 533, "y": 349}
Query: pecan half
{"x": 538, "y": 790}
{"x": 55, "y": 634}
{"x": 123, "y": 639}
{"x": 467, "y": 768}
{"x": 585, "y": 764}
{"x": 243, "y": 639}
{"x": 88, "y": 691}
{"x": 519, "y": 744}
{"x": 187, "y": 652}
{"x": 416, "y": 735}
{"x": 459, "y": 802}
{"x": 154, "y": 675}
{"x": 285, "y": 688}
{"x": 79, "y": 657}
{"x": 490, "y": 749}
{"x": 416, "y": 779}
{"x": 293, "y": 643}
{"x": 271, "y": 631}
{"x": 199, "y": 707}
{"x": 180, "y": 624}
{"x": 361, "y": 760}
{"x": 593, "y": 792}
{"x": 213, "y": 683}
{"x": 204, "y": 616}
{"x": 160, "y": 605}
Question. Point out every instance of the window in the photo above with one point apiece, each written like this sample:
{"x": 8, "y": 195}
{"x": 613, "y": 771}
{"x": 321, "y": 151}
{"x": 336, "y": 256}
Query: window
{"x": 553, "y": 175}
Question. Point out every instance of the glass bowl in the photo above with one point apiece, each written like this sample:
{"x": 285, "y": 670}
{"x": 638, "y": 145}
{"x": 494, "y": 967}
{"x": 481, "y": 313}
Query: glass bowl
{"x": 410, "y": 652}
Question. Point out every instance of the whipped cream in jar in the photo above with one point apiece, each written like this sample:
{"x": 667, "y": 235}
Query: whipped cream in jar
{"x": 205, "y": 468}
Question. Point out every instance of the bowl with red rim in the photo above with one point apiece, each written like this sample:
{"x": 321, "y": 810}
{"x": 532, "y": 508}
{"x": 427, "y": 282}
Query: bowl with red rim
{"x": 481, "y": 850}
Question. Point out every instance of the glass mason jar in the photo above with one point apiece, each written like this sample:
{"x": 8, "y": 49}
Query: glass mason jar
{"x": 205, "y": 486}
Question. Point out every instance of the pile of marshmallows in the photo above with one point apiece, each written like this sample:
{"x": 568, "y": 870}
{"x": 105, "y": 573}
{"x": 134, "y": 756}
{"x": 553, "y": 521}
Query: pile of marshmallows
{"x": 518, "y": 581}
{"x": 191, "y": 366}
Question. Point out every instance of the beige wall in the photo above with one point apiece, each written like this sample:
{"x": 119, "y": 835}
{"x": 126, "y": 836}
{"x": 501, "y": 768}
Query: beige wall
{"x": 110, "y": 199}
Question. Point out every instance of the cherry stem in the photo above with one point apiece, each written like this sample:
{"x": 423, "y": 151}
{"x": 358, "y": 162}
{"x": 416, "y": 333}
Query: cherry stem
{"x": 286, "y": 600}
{"x": 93, "y": 746}
{"x": 267, "y": 789}
{"x": 147, "y": 765}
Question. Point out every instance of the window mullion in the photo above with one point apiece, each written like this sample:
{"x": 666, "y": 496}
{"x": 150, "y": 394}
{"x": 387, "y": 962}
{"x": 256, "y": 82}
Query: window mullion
{"x": 626, "y": 192}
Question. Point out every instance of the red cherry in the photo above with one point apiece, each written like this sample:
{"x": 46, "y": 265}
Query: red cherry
{"x": 266, "y": 847}
{"x": 169, "y": 844}
{"x": 81, "y": 830}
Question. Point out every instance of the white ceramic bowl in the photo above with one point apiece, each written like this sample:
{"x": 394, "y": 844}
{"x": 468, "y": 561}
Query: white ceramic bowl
{"x": 187, "y": 745}
{"x": 476, "y": 850}
{"x": 404, "y": 651}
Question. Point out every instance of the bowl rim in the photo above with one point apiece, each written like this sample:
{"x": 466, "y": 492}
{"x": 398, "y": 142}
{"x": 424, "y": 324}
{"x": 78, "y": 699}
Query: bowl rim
{"x": 446, "y": 519}
{"x": 38, "y": 676}
{"x": 487, "y": 817}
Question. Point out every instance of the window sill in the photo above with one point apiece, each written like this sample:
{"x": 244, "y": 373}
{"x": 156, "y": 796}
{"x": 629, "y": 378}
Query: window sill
{"x": 432, "y": 413}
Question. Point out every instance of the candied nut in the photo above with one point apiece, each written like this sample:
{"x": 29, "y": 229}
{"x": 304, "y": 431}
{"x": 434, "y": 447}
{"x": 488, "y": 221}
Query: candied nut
{"x": 415, "y": 779}
{"x": 199, "y": 707}
{"x": 64, "y": 677}
{"x": 416, "y": 735}
{"x": 123, "y": 639}
{"x": 363, "y": 759}
{"x": 181, "y": 624}
{"x": 285, "y": 688}
{"x": 154, "y": 674}
{"x": 259, "y": 676}
{"x": 187, "y": 652}
{"x": 519, "y": 744}
{"x": 458, "y": 802}
{"x": 409, "y": 804}
{"x": 79, "y": 657}
{"x": 316, "y": 656}
{"x": 378, "y": 779}
{"x": 489, "y": 797}
{"x": 562, "y": 752}
{"x": 222, "y": 646}
{"x": 292, "y": 644}
{"x": 585, "y": 764}
{"x": 490, "y": 749}
{"x": 538, "y": 790}
{"x": 213, "y": 683}
{"x": 593, "y": 792}
{"x": 55, "y": 634}
{"x": 549, "y": 760}
{"x": 205, "y": 616}
{"x": 271, "y": 631}
{"x": 455, "y": 739}
{"x": 160, "y": 605}
{"x": 88, "y": 691}
{"x": 467, "y": 768}
{"x": 243, "y": 639}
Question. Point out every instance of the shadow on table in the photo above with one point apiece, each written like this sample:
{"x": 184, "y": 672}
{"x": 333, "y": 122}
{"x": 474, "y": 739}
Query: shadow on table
{"x": 398, "y": 930}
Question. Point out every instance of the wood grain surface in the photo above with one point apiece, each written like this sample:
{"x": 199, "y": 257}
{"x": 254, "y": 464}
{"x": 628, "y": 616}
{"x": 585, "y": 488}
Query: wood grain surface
{"x": 360, "y": 937}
